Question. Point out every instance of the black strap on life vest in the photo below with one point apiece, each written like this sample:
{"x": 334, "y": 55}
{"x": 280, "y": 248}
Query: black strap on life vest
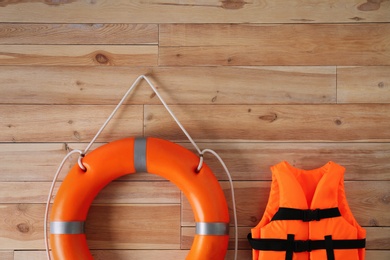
{"x": 305, "y": 215}
{"x": 290, "y": 245}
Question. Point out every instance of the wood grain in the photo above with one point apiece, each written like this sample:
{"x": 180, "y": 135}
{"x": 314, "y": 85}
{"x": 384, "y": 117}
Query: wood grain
{"x": 252, "y": 161}
{"x": 367, "y": 200}
{"x": 377, "y": 254}
{"x": 271, "y": 123}
{"x": 373, "y": 194}
{"x": 171, "y": 254}
{"x": 139, "y": 254}
{"x": 43, "y": 159}
{"x": 363, "y": 84}
{"x": 246, "y": 161}
{"x": 118, "y": 192}
{"x": 297, "y": 44}
{"x": 19, "y": 33}
{"x": 7, "y": 255}
{"x": 27, "y": 123}
{"x": 134, "y": 226}
{"x": 132, "y": 254}
{"x": 184, "y": 85}
{"x": 78, "y": 55}
{"x": 377, "y": 238}
{"x": 120, "y": 226}
{"x": 21, "y": 226}
{"x": 197, "y": 11}
{"x": 257, "y": 81}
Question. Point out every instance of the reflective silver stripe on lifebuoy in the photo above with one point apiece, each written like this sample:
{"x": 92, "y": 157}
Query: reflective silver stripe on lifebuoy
{"x": 67, "y": 227}
{"x": 212, "y": 228}
{"x": 140, "y": 155}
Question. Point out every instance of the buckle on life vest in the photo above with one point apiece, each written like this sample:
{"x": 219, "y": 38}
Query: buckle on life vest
{"x": 310, "y": 215}
{"x": 302, "y": 246}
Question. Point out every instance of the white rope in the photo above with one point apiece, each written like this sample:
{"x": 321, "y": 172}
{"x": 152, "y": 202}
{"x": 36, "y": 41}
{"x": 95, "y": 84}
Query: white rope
{"x": 49, "y": 199}
{"x": 120, "y": 104}
{"x": 233, "y": 197}
{"x": 82, "y": 154}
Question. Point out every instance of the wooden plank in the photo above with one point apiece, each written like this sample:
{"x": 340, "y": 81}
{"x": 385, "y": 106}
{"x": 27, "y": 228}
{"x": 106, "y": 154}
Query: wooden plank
{"x": 363, "y": 84}
{"x": 46, "y": 123}
{"x": 177, "y": 85}
{"x": 154, "y": 254}
{"x": 21, "y": 226}
{"x": 7, "y": 255}
{"x": 171, "y": 11}
{"x": 246, "y": 161}
{"x": 152, "y": 226}
{"x": 377, "y": 238}
{"x": 119, "y": 226}
{"x": 378, "y": 254}
{"x": 252, "y": 161}
{"x": 139, "y": 254}
{"x": 272, "y": 123}
{"x": 171, "y": 254}
{"x": 298, "y": 44}
{"x": 79, "y": 55}
{"x": 43, "y": 159}
{"x": 220, "y": 35}
{"x": 133, "y": 192}
{"x": 367, "y": 200}
{"x": 72, "y": 85}
{"x": 163, "y": 192}
{"x": 131, "y": 254}
{"x": 19, "y": 33}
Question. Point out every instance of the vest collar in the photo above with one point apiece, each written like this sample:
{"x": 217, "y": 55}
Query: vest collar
{"x": 317, "y": 189}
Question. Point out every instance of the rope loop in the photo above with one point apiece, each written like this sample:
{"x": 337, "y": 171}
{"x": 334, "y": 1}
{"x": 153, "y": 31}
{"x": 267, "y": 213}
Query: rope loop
{"x": 200, "y": 165}
{"x": 83, "y": 153}
{"x": 49, "y": 197}
{"x": 80, "y": 162}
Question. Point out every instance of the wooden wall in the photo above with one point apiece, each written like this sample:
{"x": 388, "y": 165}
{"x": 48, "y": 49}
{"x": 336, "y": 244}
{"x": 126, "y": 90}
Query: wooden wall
{"x": 258, "y": 81}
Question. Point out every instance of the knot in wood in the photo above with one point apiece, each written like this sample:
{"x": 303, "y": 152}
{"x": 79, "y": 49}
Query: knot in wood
{"x": 386, "y": 199}
{"x": 381, "y": 84}
{"x": 233, "y": 4}
{"x": 373, "y": 223}
{"x": 23, "y": 227}
{"x": 76, "y": 135}
{"x": 22, "y": 207}
{"x": 357, "y": 19}
{"x": 149, "y": 117}
{"x": 101, "y": 58}
{"x": 57, "y": 2}
{"x": 270, "y": 117}
{"x": 370, "y": 5}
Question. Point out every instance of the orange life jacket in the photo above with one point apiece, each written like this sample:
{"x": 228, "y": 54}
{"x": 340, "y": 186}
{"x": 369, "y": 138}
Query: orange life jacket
{"x": 307, "y": 217}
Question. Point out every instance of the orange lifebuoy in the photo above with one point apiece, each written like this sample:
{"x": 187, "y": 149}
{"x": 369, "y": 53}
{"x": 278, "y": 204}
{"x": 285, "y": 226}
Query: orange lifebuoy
{"x": 131, "y": 155}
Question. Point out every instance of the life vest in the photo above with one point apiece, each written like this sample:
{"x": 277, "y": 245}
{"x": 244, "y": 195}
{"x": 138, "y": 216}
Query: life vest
{"x": 307, "y": 217}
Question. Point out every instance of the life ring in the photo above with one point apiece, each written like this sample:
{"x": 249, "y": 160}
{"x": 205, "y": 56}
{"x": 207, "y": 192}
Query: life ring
{"x": 131, "y": 155}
